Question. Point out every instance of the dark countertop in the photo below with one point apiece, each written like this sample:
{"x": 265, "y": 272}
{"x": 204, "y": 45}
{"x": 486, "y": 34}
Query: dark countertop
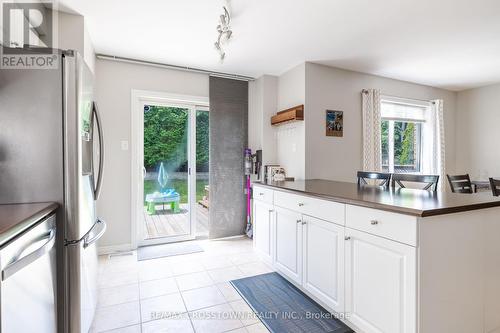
{"x": 16, "y": 218}
{"x": 405, "y": 201}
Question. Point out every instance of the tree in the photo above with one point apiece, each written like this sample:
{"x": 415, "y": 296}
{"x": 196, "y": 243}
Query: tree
{"x": 165, "y": 138}
{"x": 202, "y": 141}
{"x": 407, "y": 145}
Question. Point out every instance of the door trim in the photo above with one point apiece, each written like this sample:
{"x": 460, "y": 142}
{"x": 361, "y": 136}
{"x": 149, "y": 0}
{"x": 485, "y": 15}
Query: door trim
{"x": 138, "y": 98}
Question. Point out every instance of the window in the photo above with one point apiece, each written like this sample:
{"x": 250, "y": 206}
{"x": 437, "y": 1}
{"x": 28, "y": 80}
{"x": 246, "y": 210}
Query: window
{"x": 401, "y": 134}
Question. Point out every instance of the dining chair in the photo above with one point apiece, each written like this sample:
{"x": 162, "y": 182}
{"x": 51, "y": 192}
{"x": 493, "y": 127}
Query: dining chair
{"x": 495, "y": 186}
{"x": 384, "y": 178}
{"x": 431, "y": 181}
{"x": 460, "y": 183}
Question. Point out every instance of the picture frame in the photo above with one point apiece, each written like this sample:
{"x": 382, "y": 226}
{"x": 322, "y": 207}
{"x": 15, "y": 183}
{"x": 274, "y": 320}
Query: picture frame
{"x": 334, "y": 123}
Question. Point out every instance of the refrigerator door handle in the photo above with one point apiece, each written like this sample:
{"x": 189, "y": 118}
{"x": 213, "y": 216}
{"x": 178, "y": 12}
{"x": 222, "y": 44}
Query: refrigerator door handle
{"x": 87, "y": 240}
{"x": 98, "y": 185}
{"x": 19, "y": 264}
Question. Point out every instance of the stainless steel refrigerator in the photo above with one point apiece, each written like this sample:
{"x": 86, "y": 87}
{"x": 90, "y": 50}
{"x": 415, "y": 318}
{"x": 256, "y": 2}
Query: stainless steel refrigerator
{"x": 52, "y": 149}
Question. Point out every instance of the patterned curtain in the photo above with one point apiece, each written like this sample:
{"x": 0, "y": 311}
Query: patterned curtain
{"x": 372, "y": 145}
{"x": 438, "y": 150}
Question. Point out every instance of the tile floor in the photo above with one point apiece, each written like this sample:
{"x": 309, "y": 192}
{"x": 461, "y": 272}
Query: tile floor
{"x": 188, "y": 293}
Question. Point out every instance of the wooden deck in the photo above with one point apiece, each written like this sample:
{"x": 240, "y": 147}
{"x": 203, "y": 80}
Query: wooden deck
{"x": 165, "y": 223}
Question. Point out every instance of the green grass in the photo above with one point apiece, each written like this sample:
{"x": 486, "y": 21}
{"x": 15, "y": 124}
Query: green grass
{"x": 151, "y": 186}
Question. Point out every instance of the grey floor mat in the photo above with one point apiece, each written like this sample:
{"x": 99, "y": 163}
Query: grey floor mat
{"x": 167, "y": 250}
{"x": 284, "y": 308}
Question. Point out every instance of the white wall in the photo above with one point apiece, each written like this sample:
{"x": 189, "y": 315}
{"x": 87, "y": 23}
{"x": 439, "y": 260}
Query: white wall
{"x": 72, "y": 35}
{"x": 478, "y": 132}
{"x": 263, "y": 99}
{"x": 114, "y": 82}
{"x": 290, "y": 144}
{"x": 71, "y": 32}
{"x": 336, "y": 89}
{"x": 88, "y": 50}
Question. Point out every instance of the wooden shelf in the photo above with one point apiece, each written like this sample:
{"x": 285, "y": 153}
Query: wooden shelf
{"x": 292, "y": 114}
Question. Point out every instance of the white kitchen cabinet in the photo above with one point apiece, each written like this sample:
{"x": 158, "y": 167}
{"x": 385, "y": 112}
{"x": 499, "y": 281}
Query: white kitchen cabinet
{"x": 288, "y": 243}
{"x": 323, "y": 261}
{"x": 380, "y": 284}
{"x": 264, "y": 230}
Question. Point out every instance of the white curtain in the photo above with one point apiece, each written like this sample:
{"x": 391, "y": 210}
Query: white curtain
{"x": 433, "y": 143}
{"x": 372, "y": 145}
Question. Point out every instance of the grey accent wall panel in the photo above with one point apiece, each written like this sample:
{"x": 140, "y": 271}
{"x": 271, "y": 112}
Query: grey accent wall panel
{"x": 228, "y": 139}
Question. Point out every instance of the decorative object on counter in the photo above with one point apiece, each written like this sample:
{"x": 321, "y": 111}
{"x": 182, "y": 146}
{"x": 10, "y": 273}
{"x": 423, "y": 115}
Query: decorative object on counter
{"x": 267, "y": 171}
{"x": 431, "y": 181}
{"x": 495, "y": 186}
{"x": 461, "y": 184}
{"x": 279, "y": 177}
{"x": 365, "y": 176}
{"x": 334, "y": 123}
{"x": 292, "y": 114}
{"x": 277, "y": 174}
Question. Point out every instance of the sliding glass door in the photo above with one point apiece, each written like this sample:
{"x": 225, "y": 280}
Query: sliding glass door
{"x": 170, "y": 193}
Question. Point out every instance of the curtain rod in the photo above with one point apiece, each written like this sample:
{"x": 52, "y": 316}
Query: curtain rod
{"x": 175, "y": 67}
{"x": 365, "y": 91}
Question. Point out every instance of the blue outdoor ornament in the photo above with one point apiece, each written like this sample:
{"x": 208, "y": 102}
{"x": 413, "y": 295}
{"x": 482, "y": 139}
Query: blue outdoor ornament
{"x": 162, "y": 176}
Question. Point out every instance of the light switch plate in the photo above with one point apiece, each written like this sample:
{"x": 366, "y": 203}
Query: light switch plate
{"x": 124, "y": 145}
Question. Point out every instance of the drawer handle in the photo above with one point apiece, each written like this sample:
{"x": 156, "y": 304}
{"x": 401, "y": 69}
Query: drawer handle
{"x": 374, "y": 222}
{"x": 347, "y": 238}
{"x": 304, "y": 222}
{"x": 271, "y": 210}
{"x": 261, "y": 193}
{"x": 299, "y": 221}
{"x": 301, "y": 204}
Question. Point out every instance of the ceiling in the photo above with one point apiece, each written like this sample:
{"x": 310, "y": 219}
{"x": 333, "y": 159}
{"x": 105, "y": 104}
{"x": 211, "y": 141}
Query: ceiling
{"x": 453, "y": 44}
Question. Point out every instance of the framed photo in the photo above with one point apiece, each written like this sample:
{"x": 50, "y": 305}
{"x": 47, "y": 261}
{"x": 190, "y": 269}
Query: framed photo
{"x": 277, "y": 173}
{"x": 334, "y": 123}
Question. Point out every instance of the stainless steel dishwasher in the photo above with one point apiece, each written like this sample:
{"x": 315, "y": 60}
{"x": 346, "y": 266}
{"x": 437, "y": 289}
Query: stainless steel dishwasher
{"x": 28, "y": 281}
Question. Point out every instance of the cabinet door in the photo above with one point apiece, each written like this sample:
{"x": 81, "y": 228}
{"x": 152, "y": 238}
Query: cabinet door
{"x": 323, "y": 264}
{"x": 380, "y": 284}
{"x": 288, "y": 258}
{"x": 263, "y": 230}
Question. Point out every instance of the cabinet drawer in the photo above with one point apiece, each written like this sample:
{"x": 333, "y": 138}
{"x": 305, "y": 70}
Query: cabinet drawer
{"x": 323, "y": 209}
{"x": 263, "y": 194}
{"x": 398, "y": 227}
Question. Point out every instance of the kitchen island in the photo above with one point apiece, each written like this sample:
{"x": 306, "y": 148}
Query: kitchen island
{"x": 392, "y": 261}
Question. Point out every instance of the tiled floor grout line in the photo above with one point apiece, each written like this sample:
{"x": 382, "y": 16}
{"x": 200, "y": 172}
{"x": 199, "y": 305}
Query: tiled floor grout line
{"x": 117, "y": 328}
{"x": 185, "y": 306}
{"x": 140, "y": 308}
{"x": 180, "y": 275}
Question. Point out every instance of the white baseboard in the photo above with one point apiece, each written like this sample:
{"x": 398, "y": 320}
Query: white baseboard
{"x": 228, "y": 238}
{"x": 114, "y": 248}
{"x": 128, "y": 247}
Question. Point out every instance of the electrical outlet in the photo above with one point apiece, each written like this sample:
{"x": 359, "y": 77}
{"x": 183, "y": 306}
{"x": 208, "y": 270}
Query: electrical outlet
{"x": 124, "y": 145}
